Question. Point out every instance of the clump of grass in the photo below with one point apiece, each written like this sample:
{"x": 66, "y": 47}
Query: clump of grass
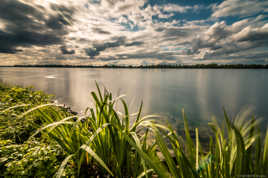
{"x": 103, "y": 142}
{"x": 236, "y": 149}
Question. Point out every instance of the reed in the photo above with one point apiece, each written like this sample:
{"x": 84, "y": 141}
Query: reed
{"x": 107, "y": 143}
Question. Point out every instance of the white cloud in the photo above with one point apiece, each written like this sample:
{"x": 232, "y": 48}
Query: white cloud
{"x": 123, "y": 32}
{"x": 241, "y": 8}
{"x": 175, "y": 8}
{"x": 234, "y": 42}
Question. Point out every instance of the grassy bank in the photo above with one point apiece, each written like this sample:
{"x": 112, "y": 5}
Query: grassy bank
{"x": 39, "y": 138}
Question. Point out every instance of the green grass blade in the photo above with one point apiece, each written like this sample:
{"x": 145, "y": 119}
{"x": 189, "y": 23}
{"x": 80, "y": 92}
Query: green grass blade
{"x": 145, "y": 173}
{"x": 62, "y": 166}
{"x": 164, "y": 150}
{"x": 158, "y": 168}
{"x": 99, "y": 92}
{"x": 265, "y": 150}
{"x": 97, "y": 158}
{"x": 35, "y": 108}
{"x": 197, "y": 149}
{"x": 126, "y": 115}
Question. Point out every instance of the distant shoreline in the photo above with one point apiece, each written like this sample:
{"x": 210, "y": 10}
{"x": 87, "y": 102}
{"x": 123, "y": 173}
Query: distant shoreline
{"x": 198, "y": 66}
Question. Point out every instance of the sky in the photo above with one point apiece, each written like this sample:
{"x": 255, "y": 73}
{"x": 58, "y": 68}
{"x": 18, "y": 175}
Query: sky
{"x": 133, "y": 32}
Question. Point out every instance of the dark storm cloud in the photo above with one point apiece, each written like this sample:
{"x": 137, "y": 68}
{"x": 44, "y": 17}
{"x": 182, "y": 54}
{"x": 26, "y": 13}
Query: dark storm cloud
{"x": 100, "y": 31}
{"x": 98, "y": 47}
{"x": 59, "y": 21}
{"x": 114, "y": 43}
{"x": 134, "y": 43}
{"x": 64, "y": 50}
{"x": 27, "y": 25}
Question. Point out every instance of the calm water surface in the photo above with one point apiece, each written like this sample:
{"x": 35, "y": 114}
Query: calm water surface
{"x": 201, "y": 92}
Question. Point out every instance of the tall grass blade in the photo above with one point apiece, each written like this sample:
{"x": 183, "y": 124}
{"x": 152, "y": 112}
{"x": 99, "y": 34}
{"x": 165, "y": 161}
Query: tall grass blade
{"x": 197, "y": 149}
{"x": 35, "y": 108}
{"x": 158, "y": 168}
{"x": 62, "y": 166}
{"x": 265, "y": 150}
{"x": 145, "y": 173}
{"x": 164, "y": 150}
{"x": 14, "y": 107}
{"x": 97, "y": 158}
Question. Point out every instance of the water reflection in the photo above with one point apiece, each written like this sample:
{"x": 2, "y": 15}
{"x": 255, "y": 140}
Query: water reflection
{"x": 202, "y": 93}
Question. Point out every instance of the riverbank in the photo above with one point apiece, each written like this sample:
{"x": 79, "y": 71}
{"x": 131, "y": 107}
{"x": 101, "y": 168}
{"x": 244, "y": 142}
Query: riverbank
{"x": 19, "y": 155}
{"x": 39, "y": 138}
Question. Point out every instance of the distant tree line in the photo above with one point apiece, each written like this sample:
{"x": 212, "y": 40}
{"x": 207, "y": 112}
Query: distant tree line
{"x": 159, "y": 66}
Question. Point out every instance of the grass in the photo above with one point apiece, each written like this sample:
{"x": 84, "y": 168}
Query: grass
{"x": 107, "y": 143}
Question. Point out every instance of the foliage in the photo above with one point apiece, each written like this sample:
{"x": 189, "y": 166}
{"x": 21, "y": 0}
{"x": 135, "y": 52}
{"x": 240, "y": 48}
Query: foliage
{"x": 29, "y": 159}
{"x": 107, "y": 143}
{"x": 101, "y": 141}
{"x": 13, "y": 102}
{"x": 19, "y": 157}
{"x": 236, "y": 149}
{"x": 11, "y": 96}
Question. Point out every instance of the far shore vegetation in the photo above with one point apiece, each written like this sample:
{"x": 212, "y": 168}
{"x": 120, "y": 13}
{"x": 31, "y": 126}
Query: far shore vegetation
{"x": 39, "y": 138}
{"x": 159, "y": 66}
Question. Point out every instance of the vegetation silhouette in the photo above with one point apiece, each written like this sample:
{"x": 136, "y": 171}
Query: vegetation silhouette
{"x": 158, "y": 66}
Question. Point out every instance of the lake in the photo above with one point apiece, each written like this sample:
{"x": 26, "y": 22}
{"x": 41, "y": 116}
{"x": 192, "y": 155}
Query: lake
{"x": 201, "y": 92}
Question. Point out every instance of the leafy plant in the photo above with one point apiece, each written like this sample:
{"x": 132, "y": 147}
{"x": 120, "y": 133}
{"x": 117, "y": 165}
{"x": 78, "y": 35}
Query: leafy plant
{"x": 235, "y": 149}
{"x": 101, "y": 141}
{"x": 29, "y": 159}
{"x": 107, "y": 143}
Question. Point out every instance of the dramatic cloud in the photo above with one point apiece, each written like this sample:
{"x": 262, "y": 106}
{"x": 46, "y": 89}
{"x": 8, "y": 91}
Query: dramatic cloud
{"x": 114, "y": 43}
{"x": 132, "y": 32}
{"x": 230, "y": 42}
{"x": 26, "y": 25}
{"x": 240, "y": 8}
